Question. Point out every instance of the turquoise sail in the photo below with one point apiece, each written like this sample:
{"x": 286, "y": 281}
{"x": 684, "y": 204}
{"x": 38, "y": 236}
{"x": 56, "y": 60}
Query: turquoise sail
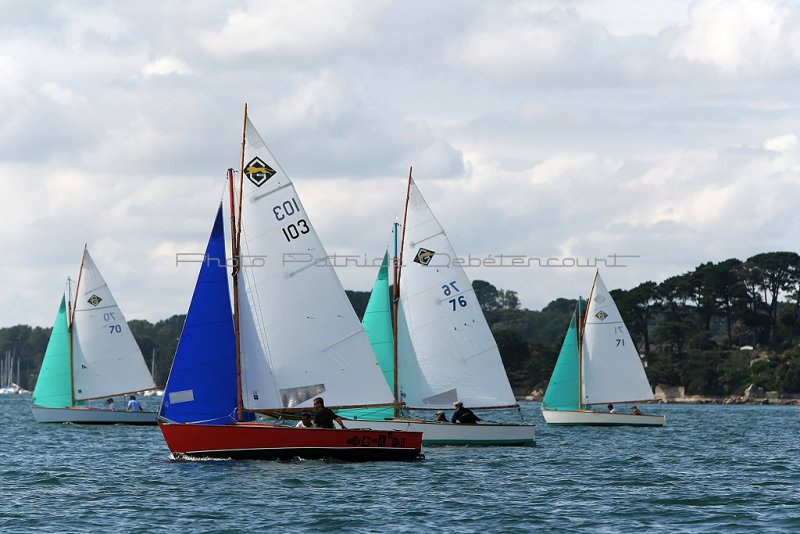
{"x": 202, "y": 381}
{"x": 54, "y": 384}
{"x": 563, "y": 391}
{"x": 377, "y": 323}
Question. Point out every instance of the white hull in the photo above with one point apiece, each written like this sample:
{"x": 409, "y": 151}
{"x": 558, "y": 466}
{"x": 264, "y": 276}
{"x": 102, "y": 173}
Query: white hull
{"x": 440, "y": 433}
{"x": 587, "y": 417}
{"x": 92, "y": 416}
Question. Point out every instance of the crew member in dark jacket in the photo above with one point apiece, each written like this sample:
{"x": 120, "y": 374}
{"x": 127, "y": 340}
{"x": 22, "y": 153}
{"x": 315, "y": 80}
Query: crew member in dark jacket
{"x": 324, "y": 417}
{"x": 464, "y": 415}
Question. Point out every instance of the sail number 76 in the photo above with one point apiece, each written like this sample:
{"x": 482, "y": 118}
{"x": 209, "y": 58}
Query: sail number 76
{"x": 456, "y": 302}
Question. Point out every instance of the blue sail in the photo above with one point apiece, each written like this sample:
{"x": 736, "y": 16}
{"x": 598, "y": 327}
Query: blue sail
{"x": 202, "y": 382}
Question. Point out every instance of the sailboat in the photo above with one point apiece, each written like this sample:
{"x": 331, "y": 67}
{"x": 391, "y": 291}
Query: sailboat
{"x": 91, "y": 355}
{"x": 292, "y": 337}
{"x": 598, "y": 365}
{"x": 443, "y": 349}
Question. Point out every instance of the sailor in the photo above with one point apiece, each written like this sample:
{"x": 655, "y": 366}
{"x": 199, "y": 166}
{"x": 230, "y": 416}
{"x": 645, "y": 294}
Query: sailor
{"x": 463, "y": 415}
{"x": 324, "y": 417}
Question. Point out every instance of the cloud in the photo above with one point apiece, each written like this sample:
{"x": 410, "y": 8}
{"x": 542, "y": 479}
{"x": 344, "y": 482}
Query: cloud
{"x": 165, "y": 66}
{"x": 293, "y": 29}
{"x": 781, "y": 143}
{"x": 739, "y": 37}
{"x": 665, "y": 131}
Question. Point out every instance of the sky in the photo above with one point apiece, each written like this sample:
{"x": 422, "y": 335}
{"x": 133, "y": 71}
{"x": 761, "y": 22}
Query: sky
{"x": 644, "y": 137}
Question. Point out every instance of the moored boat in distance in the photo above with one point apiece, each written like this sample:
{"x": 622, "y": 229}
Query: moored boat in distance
{"x": 292, "y": 337}
{"x": 598, "y": 366}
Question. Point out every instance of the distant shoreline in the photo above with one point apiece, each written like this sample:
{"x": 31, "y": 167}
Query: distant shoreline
{"x": 696, "y": 399}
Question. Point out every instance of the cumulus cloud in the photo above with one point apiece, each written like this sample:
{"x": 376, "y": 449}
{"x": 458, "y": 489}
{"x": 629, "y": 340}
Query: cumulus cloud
{"x": 165, "y": 66}
{"x": 739, "y": 37}
{"x": 665, "y": 132}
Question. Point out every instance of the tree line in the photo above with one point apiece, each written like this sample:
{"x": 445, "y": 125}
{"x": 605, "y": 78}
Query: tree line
{"x": 691, "y": 329}
{"x": 714, "y": 330}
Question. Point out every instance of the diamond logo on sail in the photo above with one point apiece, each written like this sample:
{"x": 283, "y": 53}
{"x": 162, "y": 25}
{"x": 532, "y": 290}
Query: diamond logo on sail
{"x": 258, "y": 172}
{"x": 424, "y": 256}
{"x": 94, "y": 300}
{"x": 601, "y": 315}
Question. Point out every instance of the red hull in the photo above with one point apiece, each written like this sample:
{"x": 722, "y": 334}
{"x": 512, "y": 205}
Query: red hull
{"x": 276, "y": 442}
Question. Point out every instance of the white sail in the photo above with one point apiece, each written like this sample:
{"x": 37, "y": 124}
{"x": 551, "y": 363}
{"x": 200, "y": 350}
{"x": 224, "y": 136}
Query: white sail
{"x": 612, "y": 369}
{"x": 446, "y": 351}
{"x": 300, "y": 324}
{"x": 106, "y": 360}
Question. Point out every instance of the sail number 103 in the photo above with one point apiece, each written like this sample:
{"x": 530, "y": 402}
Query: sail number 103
{"x": 287, "y": 209}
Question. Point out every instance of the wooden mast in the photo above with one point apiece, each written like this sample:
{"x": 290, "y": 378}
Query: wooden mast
{"x": 396, "y": 297}
{"x": 70, "y": 320}
{"x": 235, "y": 263}
{"x": 236, "y": 229}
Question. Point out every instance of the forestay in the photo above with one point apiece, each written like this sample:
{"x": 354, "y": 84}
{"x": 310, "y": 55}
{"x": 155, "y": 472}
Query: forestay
{"x": 300, "y": 337}
{"x": 446, "y": 351}
{"x": 105, "y": 357}
{"x": 612, "y": 369}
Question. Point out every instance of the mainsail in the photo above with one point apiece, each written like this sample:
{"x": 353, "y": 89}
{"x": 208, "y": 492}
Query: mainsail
{"x": 300, "y": 337}
{"x": 612, "y": 369}
{"x": 446, "y": 351}
{"x": 106, "y": 360}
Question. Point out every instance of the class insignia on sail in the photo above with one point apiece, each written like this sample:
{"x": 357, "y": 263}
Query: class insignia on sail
{"x": 424, "y": 256}
{"x": 94, "y": 300}
{"x": 258, "y": 172}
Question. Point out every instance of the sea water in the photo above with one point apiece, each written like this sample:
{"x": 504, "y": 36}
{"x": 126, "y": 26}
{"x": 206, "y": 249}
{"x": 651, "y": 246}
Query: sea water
{"x": 713, "y": 469}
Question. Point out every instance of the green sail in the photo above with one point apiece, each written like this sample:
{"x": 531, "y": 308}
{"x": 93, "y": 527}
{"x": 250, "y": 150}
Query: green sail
{"x": 563, "y": 391}
{"x": 377, "y": 323}
{"x": 54, "y": 385}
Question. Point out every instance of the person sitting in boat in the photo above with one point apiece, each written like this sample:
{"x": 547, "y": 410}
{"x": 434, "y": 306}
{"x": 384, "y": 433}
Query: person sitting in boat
{"x": 133, "y": 404}
{"x": 441, "y": 417}
{"x": 635, "y": 410}
{"x": 305, "y": 421}
{"x": 611, "y": 409}
{"x": 110, "y": 405}
{"x": 324, "y": 417}
{"x": 463, "y": 415}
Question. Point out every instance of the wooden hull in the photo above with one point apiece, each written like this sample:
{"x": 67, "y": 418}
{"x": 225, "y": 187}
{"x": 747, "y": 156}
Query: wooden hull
{"x": 587, "y": 417}
{"x": 441, "y": 433}
{"x": 92, "y": 416}
{"x": 277, "y": 442}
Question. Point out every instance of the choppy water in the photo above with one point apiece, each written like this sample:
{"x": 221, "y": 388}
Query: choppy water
{"x": 713, "y": 469}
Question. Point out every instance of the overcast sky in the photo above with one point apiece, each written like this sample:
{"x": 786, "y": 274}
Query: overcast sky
{"x": 662, "y": 130}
